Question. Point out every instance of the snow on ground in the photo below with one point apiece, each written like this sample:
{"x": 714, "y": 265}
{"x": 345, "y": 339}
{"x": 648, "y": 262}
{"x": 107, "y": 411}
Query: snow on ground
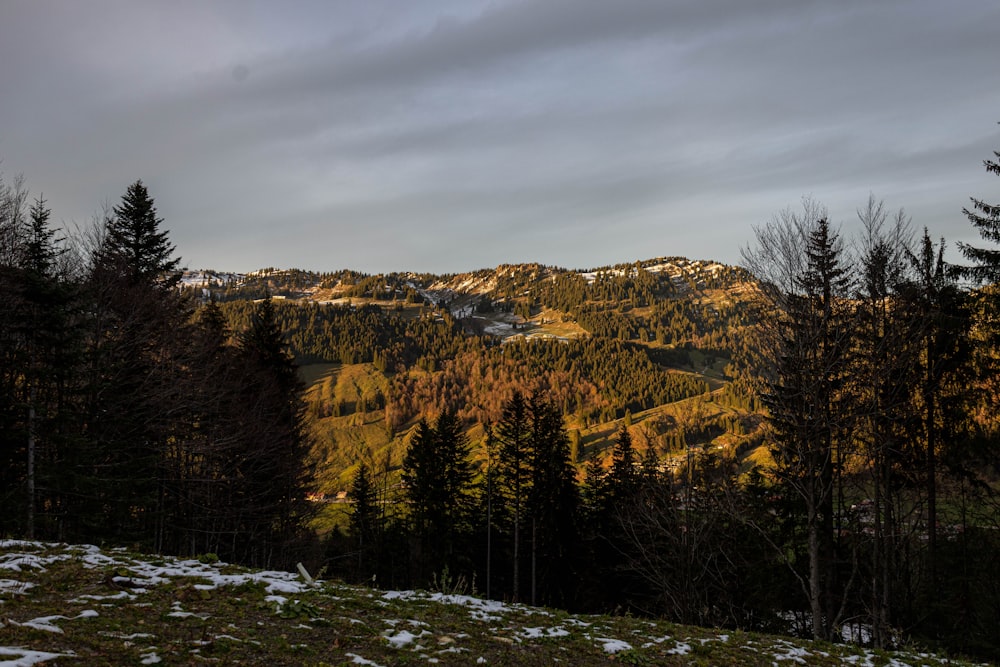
{"x": 614, "y": 645}
{"x": 13, "y": 656}
{"x": 499, "y": 328}
{"x": 490, "y": 621}
{"x": 675, "y": 268}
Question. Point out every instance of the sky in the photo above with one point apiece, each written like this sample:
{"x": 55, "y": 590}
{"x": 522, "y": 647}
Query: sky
{"x": 451, "y": 135}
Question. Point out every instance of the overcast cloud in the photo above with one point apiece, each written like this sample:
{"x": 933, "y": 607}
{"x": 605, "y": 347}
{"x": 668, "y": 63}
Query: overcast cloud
{"x": 446, "y": 135}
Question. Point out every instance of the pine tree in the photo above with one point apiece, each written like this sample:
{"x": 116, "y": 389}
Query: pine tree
{"x": 513, "y": 438}
{"x": 137, "y": 327}
{"x": 273, "y": 443}
{"x": 807, "y": 337}
{"x": 623, "y": 477}
{"x": 363, "y": 523}
{"x": 881, "y": 379}
{"x": 553, "y": 505}
{"x": 942, "y": 373}
{"x": 135, "y": 245}
{"x": 438, "y": 476}
{"x": 985, "y": 307}
{"x": 985, "y": 217}
{"x": 51, "y": 353}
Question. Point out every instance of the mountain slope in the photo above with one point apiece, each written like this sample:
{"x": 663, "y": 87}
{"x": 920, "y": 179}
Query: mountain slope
{"x": 605, "y": 342}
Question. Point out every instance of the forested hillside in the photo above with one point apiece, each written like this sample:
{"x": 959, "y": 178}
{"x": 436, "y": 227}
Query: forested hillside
{"x": 805, "y": 445}
{"x": 600, "y": 344}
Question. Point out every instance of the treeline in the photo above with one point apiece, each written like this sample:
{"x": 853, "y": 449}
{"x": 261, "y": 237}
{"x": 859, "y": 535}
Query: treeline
{"x": 296, "y": 283}
{"x": 633, "y": 536}
{"x": 364, "y": 334}
{"x": 265, "y": 283}
{"x": 631, "y": 285}
{"x": 128, "y": 417}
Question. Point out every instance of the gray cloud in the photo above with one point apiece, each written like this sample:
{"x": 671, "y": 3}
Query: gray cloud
{"x": 452, "y": 135}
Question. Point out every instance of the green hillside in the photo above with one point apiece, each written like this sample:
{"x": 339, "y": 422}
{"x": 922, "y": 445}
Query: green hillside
{"x": 380, "y": 352}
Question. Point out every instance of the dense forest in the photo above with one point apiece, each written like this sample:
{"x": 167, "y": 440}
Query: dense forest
{"x": 828, "y": 465}
{"x": 128, "y": 415}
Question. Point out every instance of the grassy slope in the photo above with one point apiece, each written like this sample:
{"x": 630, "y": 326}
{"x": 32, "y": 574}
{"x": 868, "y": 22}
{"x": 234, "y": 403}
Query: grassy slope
{"x": 343, "y": 442}
{"x": 112, "y": 608}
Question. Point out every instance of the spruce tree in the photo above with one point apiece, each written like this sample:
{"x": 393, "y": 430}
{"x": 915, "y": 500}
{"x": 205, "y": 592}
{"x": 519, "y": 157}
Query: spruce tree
{"x": 51, "y": 354}
{"x": 135, "y": 243}
{"x": 985, "y": 217}
{"x": 985, "y": 306}
{"x": 806, "y": 336}
{"x": 881, "y": 378}
{"x": 513, "y": 438}
{"x": 137, "y": 331}
{"x": 363, "y": 523}
{"x": 553, "y": 505}
{"x": 437, "y": 477}
{"x": 623, "y": 477}
{"x": 941, "y": 373}
{"x": 272, "y": 444}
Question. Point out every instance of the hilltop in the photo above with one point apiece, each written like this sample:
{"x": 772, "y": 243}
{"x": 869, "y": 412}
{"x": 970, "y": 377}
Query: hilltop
{"x": 79, "y": 604}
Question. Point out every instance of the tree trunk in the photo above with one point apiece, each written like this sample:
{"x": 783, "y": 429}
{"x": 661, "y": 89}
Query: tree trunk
{"x": 517, "y": 553}
{"x": 534, "y": 562}
{"x": 31, "y": 462}
{"x": 815, "y": 578}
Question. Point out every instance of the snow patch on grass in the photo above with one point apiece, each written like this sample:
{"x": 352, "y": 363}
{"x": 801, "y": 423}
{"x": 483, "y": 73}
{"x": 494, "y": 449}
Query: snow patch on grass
{"x": 614, "y": 645}
{"x": 540, "y": 632}
{"x": 402, "y": 638}
{"x": 358, "y": 660}
{"x": 682, "y": 648}
{"x": 14, "y": 586}
{"x": 46, "y": 622}
{"x": 15, "y": 656}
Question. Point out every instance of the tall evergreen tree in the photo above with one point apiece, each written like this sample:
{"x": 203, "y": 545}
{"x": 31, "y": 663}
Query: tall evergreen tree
{"x": 882, "y": 375}
{"x": 273, "y": 444}
{"x": 985, "y": 217}
{"x": 51, "y": 354}
{"x": 136, "y": 337}
{"x": 985, "y": 270}
{"x": 553, "y": 506}
{"x": 623, "y": 477}
{"x": 943, "y": 393}
{"x": 136, "y": 245}
{"x": 800, "y": 262}
{"x": 364, "y": 521}
{"x": 513, "y": 437}
{"x": 437, "y": 476}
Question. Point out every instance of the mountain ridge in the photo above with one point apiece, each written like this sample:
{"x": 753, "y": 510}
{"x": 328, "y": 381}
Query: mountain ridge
{"x": 482, "y": 280}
